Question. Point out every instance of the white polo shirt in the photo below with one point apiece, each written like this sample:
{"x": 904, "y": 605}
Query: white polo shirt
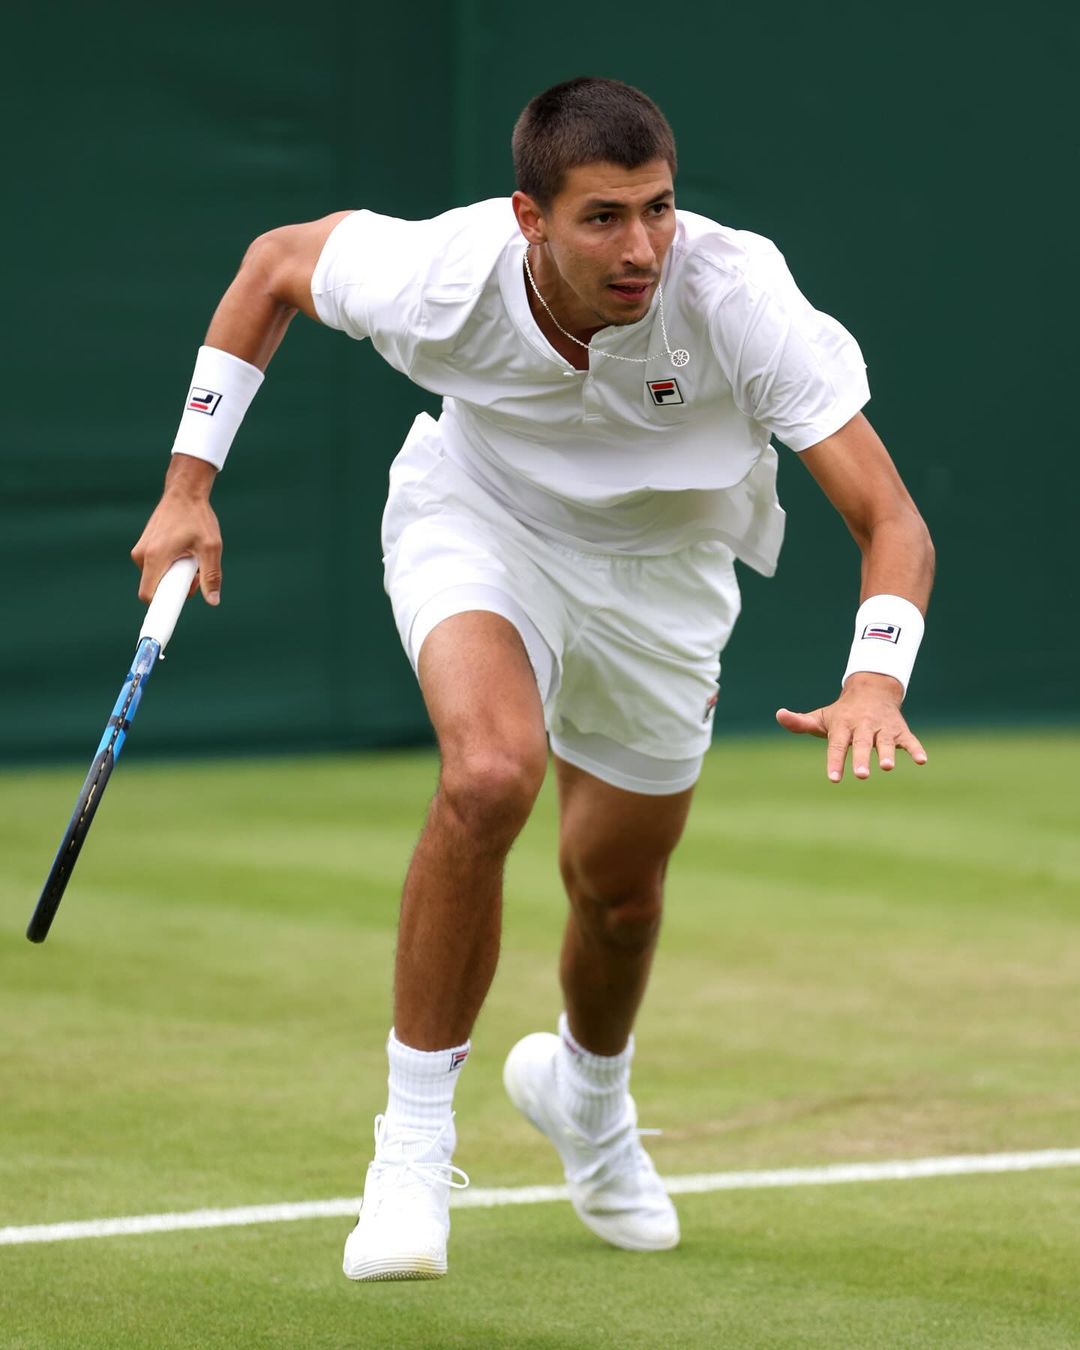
{"x": 614, "y": 459}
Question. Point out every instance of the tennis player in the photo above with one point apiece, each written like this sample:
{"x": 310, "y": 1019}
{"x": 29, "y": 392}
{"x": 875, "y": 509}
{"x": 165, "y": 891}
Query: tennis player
{"x": 559, "y": 551}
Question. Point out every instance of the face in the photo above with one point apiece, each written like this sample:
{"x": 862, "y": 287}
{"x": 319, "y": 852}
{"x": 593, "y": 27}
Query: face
{"x": 603, "y": 241}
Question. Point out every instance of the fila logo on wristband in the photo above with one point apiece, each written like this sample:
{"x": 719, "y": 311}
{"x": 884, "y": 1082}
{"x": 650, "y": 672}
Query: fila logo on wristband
{"x": 457, "y": 1059}
{"x": 203, "y": 400}
{"x": 886, "y": 648}
{"x": 222, "y": 387}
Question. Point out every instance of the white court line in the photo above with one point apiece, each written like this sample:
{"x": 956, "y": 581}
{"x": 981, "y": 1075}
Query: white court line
{"x": 908, "y": 1169}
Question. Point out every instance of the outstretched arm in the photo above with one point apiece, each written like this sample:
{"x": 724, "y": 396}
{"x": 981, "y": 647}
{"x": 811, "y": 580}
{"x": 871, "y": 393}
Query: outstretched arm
{"x": 855, "y": 472}
{"x": 273, "y": 283}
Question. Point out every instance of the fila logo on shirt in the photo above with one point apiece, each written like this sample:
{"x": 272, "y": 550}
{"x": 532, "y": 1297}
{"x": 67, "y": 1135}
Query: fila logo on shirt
{"x": 203, "y": 400}
{"x": 885, "y": 632}
{"x": 665, "y": 392}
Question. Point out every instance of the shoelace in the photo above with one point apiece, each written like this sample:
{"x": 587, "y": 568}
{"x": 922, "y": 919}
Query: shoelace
{"x": 609, "y": 1145}
{"x": 428, "y": 1172}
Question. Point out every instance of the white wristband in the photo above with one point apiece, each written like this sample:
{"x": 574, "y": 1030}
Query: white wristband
{"x": 222, "y": 388}
{"x": 888, "y": 630}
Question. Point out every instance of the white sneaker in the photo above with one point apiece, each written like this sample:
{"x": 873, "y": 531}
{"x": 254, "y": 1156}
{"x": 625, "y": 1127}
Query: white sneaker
{"x": 405, "y": 1213}
{"x": 613, "y": 1184}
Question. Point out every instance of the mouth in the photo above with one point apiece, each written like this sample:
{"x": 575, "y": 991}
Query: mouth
{"x": 633, "y": 292}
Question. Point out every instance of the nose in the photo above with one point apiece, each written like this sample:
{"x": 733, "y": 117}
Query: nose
{"x": 638, "y": 251}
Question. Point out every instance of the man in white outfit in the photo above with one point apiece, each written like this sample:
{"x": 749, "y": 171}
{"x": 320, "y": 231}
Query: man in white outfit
{"x": 560, "y": 551}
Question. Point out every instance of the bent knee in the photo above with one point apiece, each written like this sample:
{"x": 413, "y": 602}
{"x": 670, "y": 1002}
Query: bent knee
{"x": 626, "y": 917}
{"x": 492, "y": 790}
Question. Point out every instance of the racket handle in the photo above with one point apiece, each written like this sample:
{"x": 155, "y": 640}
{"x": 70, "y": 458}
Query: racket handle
{"x": 164, "y": 610}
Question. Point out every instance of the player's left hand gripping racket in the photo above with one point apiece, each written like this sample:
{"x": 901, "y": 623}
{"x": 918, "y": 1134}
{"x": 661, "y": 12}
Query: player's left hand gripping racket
{"x": 161, "y": 616}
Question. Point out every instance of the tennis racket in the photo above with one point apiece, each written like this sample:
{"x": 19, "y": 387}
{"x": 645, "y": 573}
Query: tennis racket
{"x": 161, "y": 616}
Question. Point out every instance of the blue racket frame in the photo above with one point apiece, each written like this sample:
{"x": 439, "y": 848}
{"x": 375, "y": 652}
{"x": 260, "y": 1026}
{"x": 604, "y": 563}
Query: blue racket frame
{"x": 86, "y": 805}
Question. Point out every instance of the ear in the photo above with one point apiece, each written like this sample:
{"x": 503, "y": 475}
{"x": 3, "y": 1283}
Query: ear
{"x": 530, "y": 218}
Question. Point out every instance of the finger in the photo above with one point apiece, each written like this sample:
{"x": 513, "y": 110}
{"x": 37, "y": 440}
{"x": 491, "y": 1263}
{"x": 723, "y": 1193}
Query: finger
{"x": 152, "y": 572}
{"x": 862, "y": 745}
{"x": 913, "y": 746}
{"x": 886, "y": 751}
{"x": 210, "y": 573}
{"x": 837, "y": 756}
{"x": 138, "y": 557}
{"x": 802, "y": 724}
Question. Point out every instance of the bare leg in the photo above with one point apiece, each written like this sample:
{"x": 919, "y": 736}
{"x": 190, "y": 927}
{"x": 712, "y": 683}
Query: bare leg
{"x": 483, "y": 701}
{"x": 613, "y": 852}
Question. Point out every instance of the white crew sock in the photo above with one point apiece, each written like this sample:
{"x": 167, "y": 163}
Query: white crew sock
{"x": 592, "y": 1088}
{"x": 421, "y": 1096}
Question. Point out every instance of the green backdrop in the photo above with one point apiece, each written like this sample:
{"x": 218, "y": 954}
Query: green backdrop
{"x": 913, "y": 166}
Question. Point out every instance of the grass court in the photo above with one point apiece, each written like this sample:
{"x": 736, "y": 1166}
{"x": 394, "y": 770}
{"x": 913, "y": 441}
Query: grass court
{"x": 876, "y": 971}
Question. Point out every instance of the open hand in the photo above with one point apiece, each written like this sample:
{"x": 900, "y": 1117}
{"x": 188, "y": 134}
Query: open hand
{"x": 866, "y": 716}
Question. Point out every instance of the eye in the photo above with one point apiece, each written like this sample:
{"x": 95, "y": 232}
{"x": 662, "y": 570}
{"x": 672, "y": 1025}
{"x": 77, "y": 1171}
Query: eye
{"x": 601, "y": 218}
{"x": 660, "y": 208}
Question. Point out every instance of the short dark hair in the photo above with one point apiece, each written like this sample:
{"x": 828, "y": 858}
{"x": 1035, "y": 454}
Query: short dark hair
{"x": 587, "y": 120}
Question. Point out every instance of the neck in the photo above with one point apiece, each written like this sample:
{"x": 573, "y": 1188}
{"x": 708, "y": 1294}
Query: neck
{"x": 564, "y": 315}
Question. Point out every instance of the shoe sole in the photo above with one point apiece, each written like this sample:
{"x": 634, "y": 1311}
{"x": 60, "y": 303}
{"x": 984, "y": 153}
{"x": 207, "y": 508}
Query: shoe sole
{"x": 414, "y": 1269}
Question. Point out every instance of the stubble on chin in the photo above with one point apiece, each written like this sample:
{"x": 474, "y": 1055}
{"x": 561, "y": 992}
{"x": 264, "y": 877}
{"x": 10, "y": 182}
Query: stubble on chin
{"x": 623, "y": 320}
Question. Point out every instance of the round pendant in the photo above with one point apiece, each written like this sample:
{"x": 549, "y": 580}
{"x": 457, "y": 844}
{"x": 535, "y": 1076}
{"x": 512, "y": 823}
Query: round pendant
{"x": 680, "y": 357}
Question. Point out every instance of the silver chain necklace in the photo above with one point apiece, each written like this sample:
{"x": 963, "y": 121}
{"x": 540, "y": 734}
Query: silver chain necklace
{"x": 679, "y": 357}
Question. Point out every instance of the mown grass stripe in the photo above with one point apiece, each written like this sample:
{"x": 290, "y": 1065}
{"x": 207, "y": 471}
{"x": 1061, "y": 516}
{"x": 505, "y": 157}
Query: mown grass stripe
{"x": 906, "y": 1169}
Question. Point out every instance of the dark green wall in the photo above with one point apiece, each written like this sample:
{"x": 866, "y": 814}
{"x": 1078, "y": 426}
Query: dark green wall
{"x": 914, "y": 167}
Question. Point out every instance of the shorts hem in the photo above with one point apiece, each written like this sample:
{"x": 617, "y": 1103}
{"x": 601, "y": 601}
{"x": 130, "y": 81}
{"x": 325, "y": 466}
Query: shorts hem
{"x": 467, "y": 597}
{"x": 620, "y": 778}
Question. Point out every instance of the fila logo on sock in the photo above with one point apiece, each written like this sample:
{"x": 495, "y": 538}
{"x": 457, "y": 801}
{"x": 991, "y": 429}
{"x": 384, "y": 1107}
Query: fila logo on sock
{"x": 665, "y": 392}
{"x": 203, "y": 400}
{"x": 457, "y": 1059}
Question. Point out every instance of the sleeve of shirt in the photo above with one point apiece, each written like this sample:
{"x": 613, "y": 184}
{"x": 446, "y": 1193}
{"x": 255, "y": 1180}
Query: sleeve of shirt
{"x": 371, "y": 267}
{"x": 796, "y": 371}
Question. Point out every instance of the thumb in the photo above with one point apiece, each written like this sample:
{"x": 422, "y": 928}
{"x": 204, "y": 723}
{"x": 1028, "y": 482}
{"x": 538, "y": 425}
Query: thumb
{"x": 801, "y": 724}
{"x": 210, "y": 575}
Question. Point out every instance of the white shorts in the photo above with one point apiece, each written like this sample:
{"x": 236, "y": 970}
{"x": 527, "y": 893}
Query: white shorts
{"x": 626, "y": 648}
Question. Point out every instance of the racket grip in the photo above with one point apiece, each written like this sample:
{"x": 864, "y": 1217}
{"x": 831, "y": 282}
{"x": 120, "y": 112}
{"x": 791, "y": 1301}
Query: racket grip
{"x": 164, "y": 610}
